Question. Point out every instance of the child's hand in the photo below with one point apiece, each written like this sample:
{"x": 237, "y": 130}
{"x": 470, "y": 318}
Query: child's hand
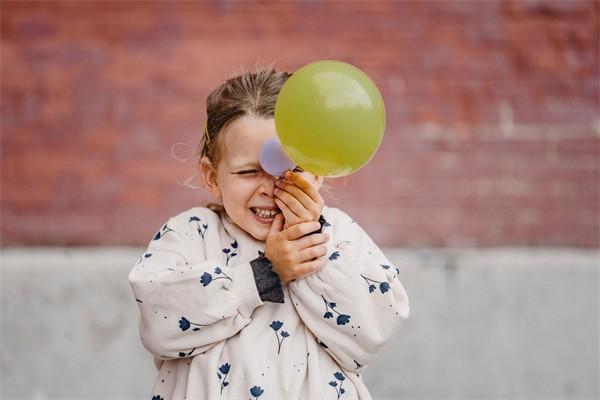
{"x": 292, "y": 255}
{"x": 298, "y": 199}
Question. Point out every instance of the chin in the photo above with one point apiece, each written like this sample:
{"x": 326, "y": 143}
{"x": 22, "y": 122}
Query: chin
{"x": 259, "y": 236}
{"x": 256, "y": 232}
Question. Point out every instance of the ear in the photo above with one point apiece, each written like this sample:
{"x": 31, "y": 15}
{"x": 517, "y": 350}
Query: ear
{"x": 209, "y": 176}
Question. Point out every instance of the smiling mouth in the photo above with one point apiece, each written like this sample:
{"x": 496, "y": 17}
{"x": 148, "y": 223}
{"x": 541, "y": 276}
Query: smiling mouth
{"x": 264, "y": 213}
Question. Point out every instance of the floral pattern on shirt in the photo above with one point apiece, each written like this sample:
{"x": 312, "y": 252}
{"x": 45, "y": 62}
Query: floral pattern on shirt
{"x": 276, "y": 325}
{"x": 338, "y": 389}
{"x": 230, "y": 251}
{"x": 200, "y": 227}
{"x": 342, "y": 319}
{"x": 207, "y": 278}
{"x": 223, "y": 369}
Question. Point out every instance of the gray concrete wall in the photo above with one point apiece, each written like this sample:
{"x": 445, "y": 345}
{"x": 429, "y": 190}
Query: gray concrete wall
{"x": 508, "y": 323}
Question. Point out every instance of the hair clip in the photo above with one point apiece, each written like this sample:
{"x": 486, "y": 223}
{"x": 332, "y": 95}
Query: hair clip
{"x": 206, "y": 132}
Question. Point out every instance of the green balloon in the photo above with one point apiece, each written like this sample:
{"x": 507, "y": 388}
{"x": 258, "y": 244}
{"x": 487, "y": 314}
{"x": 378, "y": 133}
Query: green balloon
{"x": 330, "y": 118}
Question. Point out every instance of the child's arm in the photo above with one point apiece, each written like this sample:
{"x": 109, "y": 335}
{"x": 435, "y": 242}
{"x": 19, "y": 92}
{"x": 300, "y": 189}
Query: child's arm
{"x": 355, "y": 303}
{"x": 187, "y": 306}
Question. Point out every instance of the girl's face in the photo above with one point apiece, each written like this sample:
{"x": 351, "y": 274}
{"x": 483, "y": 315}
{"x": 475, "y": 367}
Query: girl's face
{"x": 239, "y": 181}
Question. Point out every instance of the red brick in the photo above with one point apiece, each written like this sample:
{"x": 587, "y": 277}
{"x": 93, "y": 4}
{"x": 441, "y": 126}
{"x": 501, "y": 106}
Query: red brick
{"x": 492, "y": 111}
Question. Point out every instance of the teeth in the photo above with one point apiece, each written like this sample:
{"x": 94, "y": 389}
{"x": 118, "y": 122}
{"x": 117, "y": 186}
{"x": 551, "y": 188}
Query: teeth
{"x": 266, "y": 213}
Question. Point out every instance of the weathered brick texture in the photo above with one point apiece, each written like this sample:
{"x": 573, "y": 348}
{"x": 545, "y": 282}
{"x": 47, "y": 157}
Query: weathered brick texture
{"x": 493, "y": 125}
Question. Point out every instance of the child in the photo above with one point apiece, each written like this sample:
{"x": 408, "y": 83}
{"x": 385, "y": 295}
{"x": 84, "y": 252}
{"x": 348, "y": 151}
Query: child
{"x": 267, "y": 294}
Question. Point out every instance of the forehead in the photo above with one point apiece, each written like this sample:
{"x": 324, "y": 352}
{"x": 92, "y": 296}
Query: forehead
{"x": 243, "y": 139}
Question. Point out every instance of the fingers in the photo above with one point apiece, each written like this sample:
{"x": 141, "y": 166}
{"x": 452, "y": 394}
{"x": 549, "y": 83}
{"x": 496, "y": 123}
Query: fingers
{"x": 303, "y": 228}
{"x": 284, "y": 188}
{"x": 290, "y": 217}
{"x": 304, "y": 269}
{"x": 296, "y": 201}
{"x": 312, "y": 253}
{"x": 305, "y": 185}
{"x": 276, "y": 225}
{"x": 312, "y": 240}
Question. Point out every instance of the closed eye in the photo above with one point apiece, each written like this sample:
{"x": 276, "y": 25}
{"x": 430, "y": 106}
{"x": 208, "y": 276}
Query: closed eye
{"x": 247, "y": 172}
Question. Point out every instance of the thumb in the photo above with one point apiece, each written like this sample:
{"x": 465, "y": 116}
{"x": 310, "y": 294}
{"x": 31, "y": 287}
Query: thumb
{"x": 276, "y": 225}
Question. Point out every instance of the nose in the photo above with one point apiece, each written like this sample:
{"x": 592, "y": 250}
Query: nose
{"x": 267, "y": 184}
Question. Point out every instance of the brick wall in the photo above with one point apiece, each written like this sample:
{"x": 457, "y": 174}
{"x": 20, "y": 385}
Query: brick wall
{"x": 493, "y": 125}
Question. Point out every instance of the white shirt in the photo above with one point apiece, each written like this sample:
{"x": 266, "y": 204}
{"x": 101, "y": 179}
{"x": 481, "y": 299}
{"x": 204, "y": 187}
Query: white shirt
{"x": 213, "y": 337}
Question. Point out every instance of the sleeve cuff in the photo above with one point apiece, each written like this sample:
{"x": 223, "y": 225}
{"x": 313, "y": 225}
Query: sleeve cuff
{"x": 247, "y": 296}
{"x": 267, "y": 281}
{"x": 323, "y": 223}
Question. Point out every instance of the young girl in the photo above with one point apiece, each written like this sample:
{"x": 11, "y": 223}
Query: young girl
{"x": 267, "y": 294}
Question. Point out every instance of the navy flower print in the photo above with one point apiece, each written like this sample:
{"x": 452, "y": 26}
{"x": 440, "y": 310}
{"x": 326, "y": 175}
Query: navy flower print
{"x": 388, "y": 267}
{"x": 256, "y": 391}
{"x": 207, "y": 278}
{"x": 338, "y": 389}
{"x": 183, "y": 355}
{"x": 276, "y": 325}
{"x": 143, "y": 256}
{"x": 157, "y": 397}
{"x": 201, "y": 228}
{"x": 342, "y": 319}
{"x": 334, "y": 256}
{"x": 383, "y": 286}
{"x": 184, "y": 324}
{"x": 230, "y": 251}
{"x": 223, "y": 369}
{"x": 165, "y": 229}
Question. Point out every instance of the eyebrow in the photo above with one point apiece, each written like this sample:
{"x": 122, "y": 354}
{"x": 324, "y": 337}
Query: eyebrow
{"x": 245, "y": 164}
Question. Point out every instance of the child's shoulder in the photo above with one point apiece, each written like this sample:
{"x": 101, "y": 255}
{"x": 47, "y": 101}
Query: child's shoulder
{"x": 334, "y": 215}
{"x": 195, "y": 217}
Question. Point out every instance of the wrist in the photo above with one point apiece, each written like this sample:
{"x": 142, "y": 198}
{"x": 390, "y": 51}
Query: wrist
{"x": 267, "y": 280}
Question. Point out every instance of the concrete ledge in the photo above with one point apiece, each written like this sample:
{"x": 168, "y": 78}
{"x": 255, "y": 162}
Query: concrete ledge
{"x": 511, "y": 323}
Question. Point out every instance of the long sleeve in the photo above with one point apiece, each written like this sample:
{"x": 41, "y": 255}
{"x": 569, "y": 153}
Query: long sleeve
{"x": 355, "y": 303}
{"x": 190, "y": 303}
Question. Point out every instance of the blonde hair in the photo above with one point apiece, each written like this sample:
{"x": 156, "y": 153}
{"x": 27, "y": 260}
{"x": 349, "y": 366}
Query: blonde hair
{"x": 250, "y": 93}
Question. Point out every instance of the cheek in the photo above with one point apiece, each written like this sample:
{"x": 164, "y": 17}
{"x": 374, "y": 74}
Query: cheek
{"x": 239, "y": 192}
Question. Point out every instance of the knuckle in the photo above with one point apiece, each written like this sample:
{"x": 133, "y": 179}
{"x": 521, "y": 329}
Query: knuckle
{"x": 301, "y": 229}
{"x": 294, "y": 270}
